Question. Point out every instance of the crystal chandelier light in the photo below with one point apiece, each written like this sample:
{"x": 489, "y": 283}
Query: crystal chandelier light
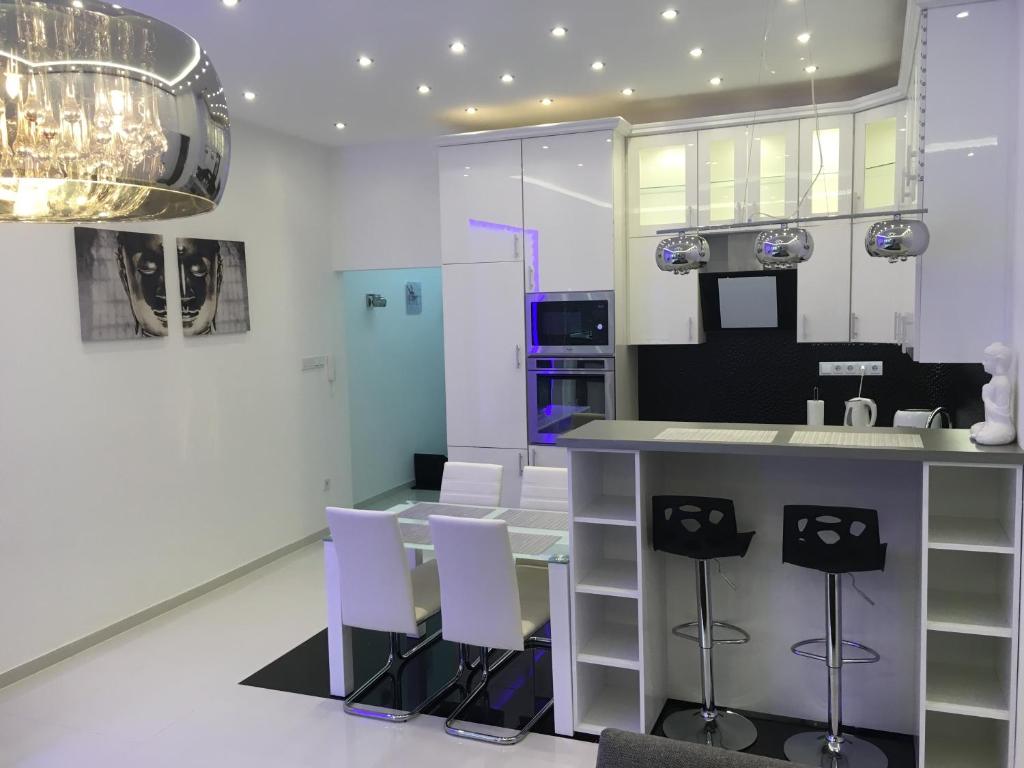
{"x": 109, "y": 115}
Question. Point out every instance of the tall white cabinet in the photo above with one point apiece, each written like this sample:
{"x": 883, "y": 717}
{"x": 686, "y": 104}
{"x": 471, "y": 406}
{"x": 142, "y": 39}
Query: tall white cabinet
{"x": 823, "y": 285}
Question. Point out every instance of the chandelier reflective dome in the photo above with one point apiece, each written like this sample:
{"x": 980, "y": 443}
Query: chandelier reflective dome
{"x": 783, "y": 248}
{"x": 682, "y": 254}
{"x": 110, "y": 115}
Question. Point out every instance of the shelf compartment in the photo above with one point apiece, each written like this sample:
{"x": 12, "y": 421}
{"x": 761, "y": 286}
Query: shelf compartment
{"x": 969, "y": 534}
{"x": 972, "y": 508}
{"x": 605, "y": 560}
{"x": 955, "y": 741}
{"x": 968, "y": 675}
{"x": 603, "y": 488}
{"x": 607, "y": 631}
{"x": 970, "y": 593}
{"x": 608, "y": 510}
{"x": 607, "y": 698}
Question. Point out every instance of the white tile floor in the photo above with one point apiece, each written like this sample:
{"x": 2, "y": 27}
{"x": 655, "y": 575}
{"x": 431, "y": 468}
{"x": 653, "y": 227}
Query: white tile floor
{"x": 167, "y": 694}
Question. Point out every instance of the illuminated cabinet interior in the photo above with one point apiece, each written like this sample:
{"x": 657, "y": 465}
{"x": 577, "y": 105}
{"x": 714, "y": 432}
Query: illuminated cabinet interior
{"x": 723, "y": 170}
{"x": 772, "y": 186}
{"x": 662, "y": 183}
{"x": 880, "y": 159}
{"x": 880, "y": 163}
{"x": 826, "y": 165}
{"x": 722, "y": 181}
{"x": 772, "y": 174}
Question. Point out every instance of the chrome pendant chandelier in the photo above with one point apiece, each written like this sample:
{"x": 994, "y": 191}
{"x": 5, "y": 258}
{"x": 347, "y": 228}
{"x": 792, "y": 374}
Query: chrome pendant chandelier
{"x": 110, "y": 115}
{"x": 897, "y": 239}
{"x": 783, "y": 248}
{"x": 682, "y": 254}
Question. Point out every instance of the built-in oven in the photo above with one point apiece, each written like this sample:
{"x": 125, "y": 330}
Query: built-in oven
{"x": 567, "y": 392}
{"x": 562, "y": 324}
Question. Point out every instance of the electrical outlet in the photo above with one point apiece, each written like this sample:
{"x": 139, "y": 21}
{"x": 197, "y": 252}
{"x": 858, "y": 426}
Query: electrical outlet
{"x": 851, "y": 368}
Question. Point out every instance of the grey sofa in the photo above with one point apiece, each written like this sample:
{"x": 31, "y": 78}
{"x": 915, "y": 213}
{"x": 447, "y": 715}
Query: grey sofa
{"x": 619, "y": 749}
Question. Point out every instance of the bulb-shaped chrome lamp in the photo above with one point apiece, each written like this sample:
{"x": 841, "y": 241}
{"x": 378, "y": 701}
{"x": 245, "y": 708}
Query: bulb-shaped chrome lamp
{"x": 897, "y": 239}
{"x": 682, "y": 254}
{"x": 783, "y": 248}
{"x": 111, "y": 116}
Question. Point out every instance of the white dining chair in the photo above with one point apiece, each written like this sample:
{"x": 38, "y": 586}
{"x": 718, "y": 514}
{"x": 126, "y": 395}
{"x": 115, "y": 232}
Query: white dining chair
{"x": 467, "y": 483}
{"x": 379, "y": 592}
{"x": 545, "y": 488}
{"x": 489, "y": 601}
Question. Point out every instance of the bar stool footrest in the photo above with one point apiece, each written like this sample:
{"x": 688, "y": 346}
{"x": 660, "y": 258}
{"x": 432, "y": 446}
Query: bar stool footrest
{"x": 871, "y": 658}
{"x": 744, "y": 637}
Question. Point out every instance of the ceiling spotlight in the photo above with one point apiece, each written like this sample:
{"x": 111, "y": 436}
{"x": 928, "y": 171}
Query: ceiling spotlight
{"x": 340, "y": 126}
{"x": 558, "y": 31}
{"x": 249, "y": 96}
{"x": 77, "y": 3}
{"x": 365, "y": 61}
{"x": 457, "y": 46}
{"x": 424, "y": 88}
{"x": 810, "y": 69}
{"x": 669, "y": 13}
{"x": 597, "y": 66}
{"x": 545, "y": 147}
{"x": 230, "y": 3}
{"x": 803, "y": 38}
{"x": 697, "y": 52}
{"x": 716, "y": 80}
{"x": 507, "y": 78}
{"x": 471, "y": 110}
{"x": 963, "y": 14}
{"x": 628, "y": 91}
{"x": 547, "y": 102}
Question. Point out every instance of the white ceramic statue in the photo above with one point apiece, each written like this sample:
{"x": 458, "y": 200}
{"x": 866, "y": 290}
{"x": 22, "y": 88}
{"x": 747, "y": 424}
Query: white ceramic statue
{"x": 997, "y": 428}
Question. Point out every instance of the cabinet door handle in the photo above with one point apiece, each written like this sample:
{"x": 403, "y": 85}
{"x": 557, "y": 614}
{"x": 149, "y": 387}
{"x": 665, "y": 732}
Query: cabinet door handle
{"x": 689, "y": 214}
{"x": 895, "y": 326}
{"x": 520, "y": 453}
{"x": 853, "y": 325}
{"x": 519, "y": 349}
{"x": 532, "y": 286}
{"x": 515, "y": 246}
{"x": 533, "y": 457}
{"x": 803, "y": 327}
{"x": 690, "y": 332}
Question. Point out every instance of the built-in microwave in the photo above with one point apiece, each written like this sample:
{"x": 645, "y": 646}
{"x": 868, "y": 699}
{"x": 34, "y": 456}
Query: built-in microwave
{"x": 571, "y": 324}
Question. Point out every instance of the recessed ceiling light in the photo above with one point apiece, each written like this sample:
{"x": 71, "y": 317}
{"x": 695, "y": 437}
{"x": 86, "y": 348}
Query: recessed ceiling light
{"x": 508, "y": 77}
{"x": 810, "y": 69}
{"x": 597, "y": 66}
{"x": 230, "y": 3}
{"x": 365, "y": 61}
{"x": 771, "y": 71}
{"x": 628, "y": 91}
{"x": 457, "y": 46}
{"x": 716, "y": 80}
{"x": 78, "y": 3}
{"x": 249, "y": 96}
{"x": 669, "y": 13}
{"x": 970, "y": 154}
{"x": 804, "y": 38}
{"x": 545, "y": 146}
{"x": 340, "y": 126}
{"x": 558, "y": 31}
{"x": 424, "y": 88}
{"x": 579, "y": 165}
{"x": 697, "y": 52}
{"x": 547, "y": 102}
{"x": 471, "y": 110}
{"x": 963, "y": 14}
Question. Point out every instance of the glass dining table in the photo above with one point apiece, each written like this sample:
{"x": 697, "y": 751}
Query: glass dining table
{"x": 536, "y": 536}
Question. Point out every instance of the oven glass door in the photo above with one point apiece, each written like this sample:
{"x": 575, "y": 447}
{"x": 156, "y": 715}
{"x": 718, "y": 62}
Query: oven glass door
{"x": 564, "y": 400}
{"x": 561, "y": 324}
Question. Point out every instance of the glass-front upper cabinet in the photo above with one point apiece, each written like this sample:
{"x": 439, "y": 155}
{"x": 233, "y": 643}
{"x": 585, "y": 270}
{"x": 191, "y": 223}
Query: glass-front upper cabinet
{"x": 826, "y": 163}
{"x": 662, "y": 183}
{"x": 880, "y": 160}
{"x": 773, "y": 168}
{"x": 722, "y": 170}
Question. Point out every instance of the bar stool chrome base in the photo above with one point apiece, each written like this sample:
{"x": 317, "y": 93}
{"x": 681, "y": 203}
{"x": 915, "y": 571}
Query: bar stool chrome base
{"x": 728, "y": 730}
{"x": 812, "y": 749}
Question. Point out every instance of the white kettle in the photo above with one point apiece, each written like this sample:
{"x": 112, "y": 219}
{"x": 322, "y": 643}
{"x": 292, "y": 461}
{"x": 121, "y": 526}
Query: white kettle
{"x": 860, "y": 412}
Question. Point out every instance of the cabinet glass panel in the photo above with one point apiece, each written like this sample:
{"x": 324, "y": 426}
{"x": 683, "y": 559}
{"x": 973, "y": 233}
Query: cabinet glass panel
{"x": 662, "y": 186}
{"x": 722, "y": 178}
{"x": 880, "y": 164}
{"x": 825, "y": 172}
{"x": 773, "y": 177}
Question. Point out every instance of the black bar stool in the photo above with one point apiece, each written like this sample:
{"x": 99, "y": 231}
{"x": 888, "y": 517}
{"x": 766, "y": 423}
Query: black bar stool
{"x": 836, "y": 541}
{"x": 704, "y": 529}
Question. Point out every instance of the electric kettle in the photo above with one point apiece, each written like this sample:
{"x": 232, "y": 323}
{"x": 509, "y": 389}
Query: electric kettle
{"x": 860, "y": 412}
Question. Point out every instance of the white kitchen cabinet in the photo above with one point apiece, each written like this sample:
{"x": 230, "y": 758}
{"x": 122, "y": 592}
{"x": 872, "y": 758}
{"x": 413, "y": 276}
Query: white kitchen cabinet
{"x": 548, "y": 456}
{"x": 484, "y": 355}
{"x": 663, "y": 308}
{"x": 568, "y": 194}
{"x": 481, "y": 202}
{"x": 880, "y": 159}
{"x": 662, "y": 178}
{"x": 882, "y": 298}
{"x": 772, "y": 188}
{"x": 823, "y": 285}
{"x": 826, "y": 165}
{"x": 511, "y": 460}
{"x": 722, "y": 170}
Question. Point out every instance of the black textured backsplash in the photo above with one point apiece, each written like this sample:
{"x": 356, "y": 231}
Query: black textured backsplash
{"x": 767, "y": 377}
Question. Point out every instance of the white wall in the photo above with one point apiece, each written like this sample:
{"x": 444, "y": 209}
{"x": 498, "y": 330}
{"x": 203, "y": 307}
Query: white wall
{"x": 386, "y": 206}
{"x": 132, "y": 471}
{"x": 1016, "y": 301}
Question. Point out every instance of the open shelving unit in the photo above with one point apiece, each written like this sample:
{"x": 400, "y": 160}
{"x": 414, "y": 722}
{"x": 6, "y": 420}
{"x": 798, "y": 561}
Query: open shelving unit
{"x": 970, "y": 599}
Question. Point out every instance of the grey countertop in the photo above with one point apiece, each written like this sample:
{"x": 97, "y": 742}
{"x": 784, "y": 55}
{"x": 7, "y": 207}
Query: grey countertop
{"x": 952, "y": 445}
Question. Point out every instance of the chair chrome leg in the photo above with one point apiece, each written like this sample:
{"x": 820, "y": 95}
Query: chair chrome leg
{"x": 390, "y": 668}
{"x": 486, "y": 671}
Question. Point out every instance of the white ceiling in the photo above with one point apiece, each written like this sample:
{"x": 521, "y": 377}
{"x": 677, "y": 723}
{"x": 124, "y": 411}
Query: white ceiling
{"x": 299, "y": 56}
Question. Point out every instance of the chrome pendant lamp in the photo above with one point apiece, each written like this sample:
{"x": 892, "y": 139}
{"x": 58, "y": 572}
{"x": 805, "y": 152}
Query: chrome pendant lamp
{"x": 682, "y": 254}
{"x": 897, "y": 239}
{"x": 783, "y": 248}
{"x": 110, "y": 116}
